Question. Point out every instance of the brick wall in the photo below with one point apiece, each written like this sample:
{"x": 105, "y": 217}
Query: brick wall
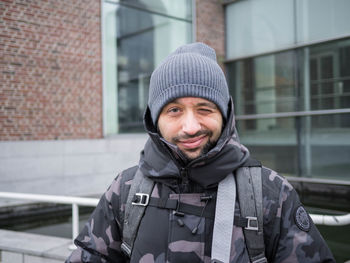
{"x": 50, "y": 69}
{"x": 210, "y": 25}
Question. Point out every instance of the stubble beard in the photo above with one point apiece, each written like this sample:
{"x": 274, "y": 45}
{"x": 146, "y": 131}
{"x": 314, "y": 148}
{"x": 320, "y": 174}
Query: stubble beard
{"x": 207, "y": 147}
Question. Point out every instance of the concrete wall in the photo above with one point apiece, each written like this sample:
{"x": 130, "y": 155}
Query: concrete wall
{"x": 66, "y": 167}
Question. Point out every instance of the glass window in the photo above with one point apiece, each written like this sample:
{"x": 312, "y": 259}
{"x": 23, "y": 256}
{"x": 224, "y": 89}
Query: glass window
{"x": 260, "y": 26}
{"x": 326, "y": 81}
{"x": 178, "y": 9}
{"x": 301, "y": 148}
{"x": 274, "y": 145}
{"x": 264, "y": 84}
{"x": 257, "y": 26}
{"x": 307, "y": 79}
{"x": 289, "y": 76}
{"x": 319, "y": 20}
{"x": 325, "y": 150}
{"x": 144, "y": 33}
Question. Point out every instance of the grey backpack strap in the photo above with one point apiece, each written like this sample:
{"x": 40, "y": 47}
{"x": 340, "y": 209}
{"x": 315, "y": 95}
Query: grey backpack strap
{"x": 249, "y": 189}
{"x": 136, "y": 204}
{"x": 223, "y": 223}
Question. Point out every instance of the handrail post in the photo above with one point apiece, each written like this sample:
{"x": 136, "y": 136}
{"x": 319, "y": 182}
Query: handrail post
{"x": 75, "y": 224}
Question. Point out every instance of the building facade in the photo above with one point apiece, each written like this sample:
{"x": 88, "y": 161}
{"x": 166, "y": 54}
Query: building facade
{"x": 74, "y": 84}
{"x": 290, "y": 73}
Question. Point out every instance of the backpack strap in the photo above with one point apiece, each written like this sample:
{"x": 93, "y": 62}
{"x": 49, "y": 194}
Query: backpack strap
{"x": 249, "y": 187}
{"x": 224, "y": 219}
{"x": 137, "y": 201}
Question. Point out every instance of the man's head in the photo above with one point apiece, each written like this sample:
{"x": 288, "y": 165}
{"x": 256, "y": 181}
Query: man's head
{"x": 193, "y": 124}
{"x": 188, "y": 99}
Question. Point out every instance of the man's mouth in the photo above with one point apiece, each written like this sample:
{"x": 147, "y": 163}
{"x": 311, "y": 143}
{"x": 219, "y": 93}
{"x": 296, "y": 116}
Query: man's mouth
{"x": 192, "y": 143}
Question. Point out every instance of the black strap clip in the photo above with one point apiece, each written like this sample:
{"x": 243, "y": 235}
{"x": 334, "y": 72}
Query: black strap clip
{"x": 141, "y": 199}
{"x": 252, "y": 223}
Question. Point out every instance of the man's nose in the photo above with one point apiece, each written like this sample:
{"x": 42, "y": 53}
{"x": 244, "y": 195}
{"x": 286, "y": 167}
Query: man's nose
{"x": 190, "y": 124}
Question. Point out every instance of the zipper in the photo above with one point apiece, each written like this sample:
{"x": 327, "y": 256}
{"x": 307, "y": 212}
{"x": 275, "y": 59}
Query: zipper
{"x": 184, "y": 180}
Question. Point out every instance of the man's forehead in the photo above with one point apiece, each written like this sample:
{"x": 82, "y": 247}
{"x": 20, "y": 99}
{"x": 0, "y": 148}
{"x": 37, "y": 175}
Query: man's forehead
{"x": 195, "y": 101}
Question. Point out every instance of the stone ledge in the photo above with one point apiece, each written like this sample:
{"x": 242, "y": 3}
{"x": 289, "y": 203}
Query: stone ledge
{"x": 32, "y": 248}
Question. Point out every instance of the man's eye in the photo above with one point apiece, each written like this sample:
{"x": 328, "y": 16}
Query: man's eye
{"x": 205, "y": 110}
{"x": 173, "y": 110}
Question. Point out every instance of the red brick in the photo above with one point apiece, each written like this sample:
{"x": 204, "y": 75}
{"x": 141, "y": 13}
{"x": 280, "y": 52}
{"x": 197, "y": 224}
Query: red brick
{"x": 50, "y": 68}
{"x": 48, "y": 49}
{"x": 210, "y": 25}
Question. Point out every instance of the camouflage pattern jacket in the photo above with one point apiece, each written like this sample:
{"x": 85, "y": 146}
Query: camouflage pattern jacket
{"x": 165, "y": 236}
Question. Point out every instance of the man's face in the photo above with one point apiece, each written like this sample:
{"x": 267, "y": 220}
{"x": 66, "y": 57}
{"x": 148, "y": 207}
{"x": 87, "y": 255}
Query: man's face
{"x": 193, "y": 124}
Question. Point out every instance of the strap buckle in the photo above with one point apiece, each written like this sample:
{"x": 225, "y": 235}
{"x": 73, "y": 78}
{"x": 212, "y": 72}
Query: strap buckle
{"x": 252, "y": 223}
{"x": 141, "y": 199}
{"x": 126, "y": 249}
{"x": 260, "y": 260}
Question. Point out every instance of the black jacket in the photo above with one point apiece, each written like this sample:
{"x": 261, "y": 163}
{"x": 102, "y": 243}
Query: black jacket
{"x": 165, "y": 236}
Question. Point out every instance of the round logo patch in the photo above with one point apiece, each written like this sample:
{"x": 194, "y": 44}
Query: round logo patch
{"x": 302, "y": 219}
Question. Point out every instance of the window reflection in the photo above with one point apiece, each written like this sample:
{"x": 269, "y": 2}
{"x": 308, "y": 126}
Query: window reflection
{"x": 135, "y": 44}
{"x": 308, "y": 79}
{"x": 325, "y": 151}
{"x": 146, "y": 32}
{"x": 265, "y": 85}
{"x": 305, "y": 149}
{"x": 330, "y": 81}
{"x": 275, "y": 147}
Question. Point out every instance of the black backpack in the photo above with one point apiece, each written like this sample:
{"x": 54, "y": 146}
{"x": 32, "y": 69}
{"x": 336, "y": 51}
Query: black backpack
{"x": 249, "y": 188}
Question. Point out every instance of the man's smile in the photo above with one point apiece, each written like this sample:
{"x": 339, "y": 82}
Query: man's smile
{"x": 192, "y": 143}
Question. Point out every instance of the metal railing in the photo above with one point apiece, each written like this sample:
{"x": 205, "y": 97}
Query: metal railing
{"x": 57, "y": 199}
{"x": 330, "y": 220}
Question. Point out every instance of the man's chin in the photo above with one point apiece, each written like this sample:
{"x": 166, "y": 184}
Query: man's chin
{"x": 192, "y": 154}
{"x": 195, "y": 153}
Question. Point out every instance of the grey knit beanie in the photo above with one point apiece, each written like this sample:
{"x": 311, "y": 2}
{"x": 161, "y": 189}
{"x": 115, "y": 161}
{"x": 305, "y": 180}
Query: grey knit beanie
{"x": 191, "y": 71}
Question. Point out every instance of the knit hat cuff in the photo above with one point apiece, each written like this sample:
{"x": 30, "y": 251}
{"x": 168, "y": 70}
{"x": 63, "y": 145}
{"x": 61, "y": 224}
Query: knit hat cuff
{"x": 188, "y": 90}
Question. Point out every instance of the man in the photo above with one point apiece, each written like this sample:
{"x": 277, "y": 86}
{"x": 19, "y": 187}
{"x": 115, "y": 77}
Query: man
{"x": 193, "y": 146}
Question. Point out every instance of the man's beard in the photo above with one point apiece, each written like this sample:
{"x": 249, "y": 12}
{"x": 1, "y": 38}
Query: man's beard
{"x": 207, "y": 147}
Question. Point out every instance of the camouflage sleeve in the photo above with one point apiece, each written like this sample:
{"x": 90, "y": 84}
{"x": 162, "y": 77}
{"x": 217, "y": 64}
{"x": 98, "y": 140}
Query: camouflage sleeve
{"x": 100, "y": 239}
{"x": 299, "y": 240}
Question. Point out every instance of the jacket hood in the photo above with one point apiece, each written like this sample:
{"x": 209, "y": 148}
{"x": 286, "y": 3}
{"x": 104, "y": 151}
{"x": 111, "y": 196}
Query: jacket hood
{"x": 161, "y": 160}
